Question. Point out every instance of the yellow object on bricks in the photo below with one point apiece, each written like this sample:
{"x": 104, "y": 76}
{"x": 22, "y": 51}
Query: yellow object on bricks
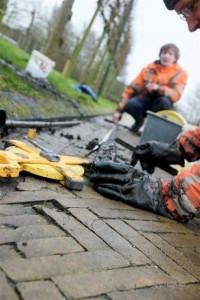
{"x": 22, "y": 157}
{"x": 8, "y": 167}
{"x": 172, "y": 116}
{"x": 50, "y": 172}
{"x": 31, "y": 133}
{"x": 42, "y": 170}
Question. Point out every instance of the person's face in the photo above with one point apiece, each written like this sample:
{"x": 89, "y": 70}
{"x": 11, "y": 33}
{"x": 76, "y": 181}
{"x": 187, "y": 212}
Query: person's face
{"x": 167, "y": 58}
{"x": 193, "y": 20}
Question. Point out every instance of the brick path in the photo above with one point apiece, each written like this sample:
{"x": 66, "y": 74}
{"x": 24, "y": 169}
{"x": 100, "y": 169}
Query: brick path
{"x": 60, "y": 244}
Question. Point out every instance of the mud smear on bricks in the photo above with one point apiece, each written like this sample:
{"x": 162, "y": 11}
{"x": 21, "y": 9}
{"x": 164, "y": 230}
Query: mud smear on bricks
{"x": 8, "y": 185}
{"x": 67, "y": 136}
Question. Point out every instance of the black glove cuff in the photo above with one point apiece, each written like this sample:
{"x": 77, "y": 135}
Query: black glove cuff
{"x": 178, "y": 148}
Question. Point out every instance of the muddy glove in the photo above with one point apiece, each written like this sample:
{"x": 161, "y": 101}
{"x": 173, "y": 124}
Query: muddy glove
{"x": 123, "y": 182}
{"x": 158, "y": 154}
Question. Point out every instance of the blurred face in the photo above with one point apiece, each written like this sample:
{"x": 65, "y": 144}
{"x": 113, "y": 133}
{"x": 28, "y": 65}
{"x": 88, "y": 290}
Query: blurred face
{"x": 167, "y": 58}
{"x": 190, "y": 11}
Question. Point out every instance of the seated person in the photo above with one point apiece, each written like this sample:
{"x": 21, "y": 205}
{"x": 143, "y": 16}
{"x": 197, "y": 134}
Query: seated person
{"x": 156, "y": 88}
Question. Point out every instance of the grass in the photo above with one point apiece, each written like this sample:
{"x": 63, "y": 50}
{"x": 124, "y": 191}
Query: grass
{"x": 10, "y": 81}
{"x": 64, "y": 85}
{"x": 13, "y": 54}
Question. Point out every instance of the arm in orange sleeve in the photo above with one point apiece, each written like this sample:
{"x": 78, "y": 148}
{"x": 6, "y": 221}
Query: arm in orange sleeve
{"x": 190, "y": 142}
{"x": 181, "y": 194}
{"x": 127, "y": 94}
{"x": 134, "y": 88}
{"x": 175, "y": 91}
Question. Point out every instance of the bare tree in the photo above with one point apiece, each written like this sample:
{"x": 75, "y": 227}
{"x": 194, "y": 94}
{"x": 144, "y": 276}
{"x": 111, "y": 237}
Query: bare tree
{"x": 65, "y": 51}
{"x": 89, "y": 72}
{"x": 79, "y": 46}
{"x": 3, "y": 6}
{"x": 55, "y": 38}
{"x": 115, "y": 40}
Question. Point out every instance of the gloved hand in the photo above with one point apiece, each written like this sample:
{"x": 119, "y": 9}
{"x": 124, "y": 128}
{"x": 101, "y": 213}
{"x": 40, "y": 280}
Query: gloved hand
{"x": 154, "y": 153}
{"x": 123, "y": 182}
{"x": 116, "y": 117}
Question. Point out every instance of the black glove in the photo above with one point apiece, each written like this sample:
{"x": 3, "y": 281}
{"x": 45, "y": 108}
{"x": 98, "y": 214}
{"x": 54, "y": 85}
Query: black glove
{"x": 158, "y": 154}
{"x": 123, "y": 182}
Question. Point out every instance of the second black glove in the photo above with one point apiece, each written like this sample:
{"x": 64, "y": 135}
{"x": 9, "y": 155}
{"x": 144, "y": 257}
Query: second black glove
{"x": 123, "y": 182}
{"x": 154, "y": 153}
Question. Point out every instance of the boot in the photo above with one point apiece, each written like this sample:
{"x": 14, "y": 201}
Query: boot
{"x": 137, "y": 125}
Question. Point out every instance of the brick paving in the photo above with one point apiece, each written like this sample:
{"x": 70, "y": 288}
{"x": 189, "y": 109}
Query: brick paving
{"x": 61, "y": 244}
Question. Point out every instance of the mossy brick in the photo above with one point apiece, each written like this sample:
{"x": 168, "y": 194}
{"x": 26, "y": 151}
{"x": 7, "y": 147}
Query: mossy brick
{"x": 7, "y": 252}
{"x": 29, "y": 232}
{"x": 27, "y": 197}
{"x": 153, "y": 226}
{"x": 45, "y": 267}
{"x": 97, "y": 202}
{"x": 157, "y": 257}
{"x": 49, "y": 246}
{"x": 76, "y": 229}
{"x": 23, "y": 220}
{"x": 97, "y": 283}
{"x": 41, "y": 290}
{"x": 13, "y": 210}
{"x": 174, "y": 254}
{"x": 6, "y": 290}
{"x": 171, "y": 292}
{"x": 182, "y": 239}
{"x": 128, "y": 214}
{"x": 110, "y": 237}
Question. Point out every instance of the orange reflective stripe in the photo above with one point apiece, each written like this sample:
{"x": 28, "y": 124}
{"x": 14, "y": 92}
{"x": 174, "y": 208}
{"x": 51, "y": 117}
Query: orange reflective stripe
{"x": 127, "y": 93}
{"x": 183, "y": 201}
{"x": 189, "y": 180}
{"x": 172, "y": 80}
{"x": 168, "y": 200}
{"x": 190, "y": 141}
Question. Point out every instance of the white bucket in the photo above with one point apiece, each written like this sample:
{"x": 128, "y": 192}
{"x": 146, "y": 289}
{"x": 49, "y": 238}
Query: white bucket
{"x": 39, "y": 65}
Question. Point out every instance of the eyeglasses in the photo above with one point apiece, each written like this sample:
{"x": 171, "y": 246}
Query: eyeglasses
{"x": 186, "y": 13}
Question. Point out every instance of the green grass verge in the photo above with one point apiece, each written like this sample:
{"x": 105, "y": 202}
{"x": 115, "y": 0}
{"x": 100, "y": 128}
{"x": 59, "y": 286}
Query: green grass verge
{"x": 10, "y": 81}
{"x": 13, "y": 54}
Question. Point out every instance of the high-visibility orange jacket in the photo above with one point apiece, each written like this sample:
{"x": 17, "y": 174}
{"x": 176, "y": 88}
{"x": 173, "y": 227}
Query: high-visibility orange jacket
{"x": 182, "y": 194}
{"x": 171, "y": 80}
